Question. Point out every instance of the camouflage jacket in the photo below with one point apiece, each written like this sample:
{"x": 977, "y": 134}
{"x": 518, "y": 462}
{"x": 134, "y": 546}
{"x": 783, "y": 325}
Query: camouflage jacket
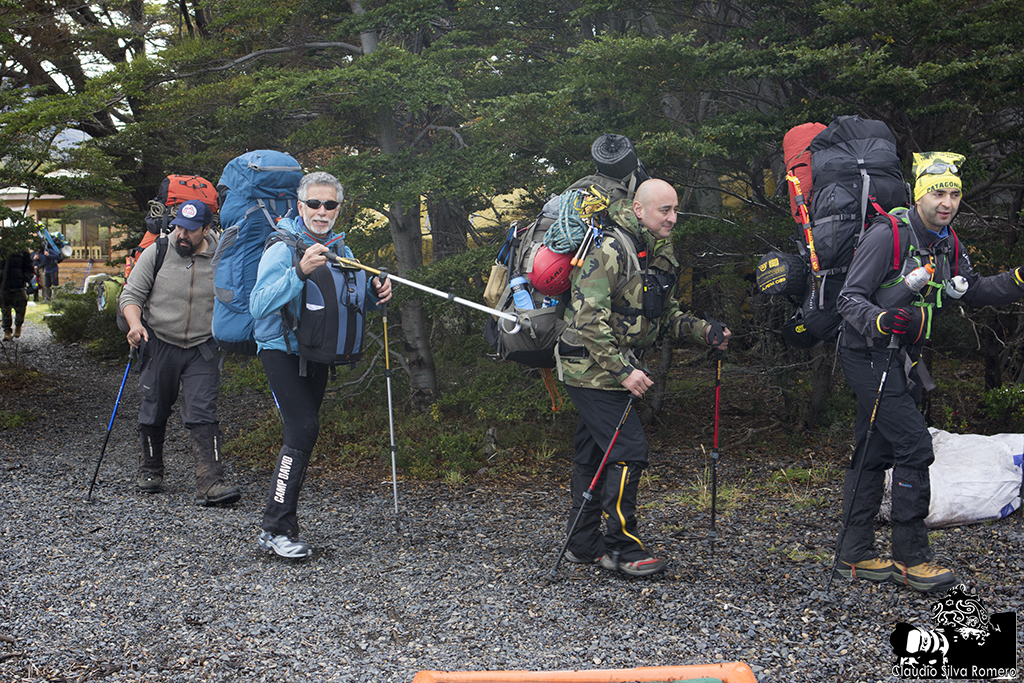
{"x": 598, "y": 348}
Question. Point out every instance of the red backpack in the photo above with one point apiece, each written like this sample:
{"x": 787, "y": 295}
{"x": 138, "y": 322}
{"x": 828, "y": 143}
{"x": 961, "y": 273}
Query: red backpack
{"x": 174, "y": 191}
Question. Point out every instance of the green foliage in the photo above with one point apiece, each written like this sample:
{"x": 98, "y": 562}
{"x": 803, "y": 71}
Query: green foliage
{"x": 14, "y": 419}
{"x": 18, "y": 232}
{"x": 243, "y": 373}
{"x": 1005, "y": 404}
{"x": 75, "y": 318}
{"x": 803, "y": 486}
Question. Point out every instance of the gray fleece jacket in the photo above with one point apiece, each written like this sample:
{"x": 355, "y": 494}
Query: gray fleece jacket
{"x": 178, "y": 305}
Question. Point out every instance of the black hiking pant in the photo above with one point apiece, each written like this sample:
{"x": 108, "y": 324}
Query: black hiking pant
{"x": 901, "y": 441}
{"x": 615, "y": 495}
{"x": 166, "y": 369}
{"x": 298, "y": 400}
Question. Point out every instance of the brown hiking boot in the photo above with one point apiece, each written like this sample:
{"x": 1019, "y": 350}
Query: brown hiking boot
{"x": 218, "y": 494}
{"x": 7, "y": 335}
{"x": 17, "y": 331}
{"x": 926, "y": 577}
{"x": 875, "y": 569}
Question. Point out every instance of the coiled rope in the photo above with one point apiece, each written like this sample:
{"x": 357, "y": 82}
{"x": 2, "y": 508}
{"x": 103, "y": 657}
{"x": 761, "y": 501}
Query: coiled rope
{"x": 577, "y": 212}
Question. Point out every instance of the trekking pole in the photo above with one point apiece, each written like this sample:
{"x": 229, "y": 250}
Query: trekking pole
{"x": 858, "y": 463}
{"x": 716, "y": 335}
{"x": 131, "y": 356}
{"x": 391, "y": 413}
{"x": 341, "y": 260}
{"x": 714, "y": 450}
{"x": 588, "y": 495}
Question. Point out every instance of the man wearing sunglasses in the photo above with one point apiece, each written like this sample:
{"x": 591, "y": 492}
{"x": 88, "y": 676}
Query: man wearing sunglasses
{"x": 877, "y": 303}
{"x": 298, "y": 387}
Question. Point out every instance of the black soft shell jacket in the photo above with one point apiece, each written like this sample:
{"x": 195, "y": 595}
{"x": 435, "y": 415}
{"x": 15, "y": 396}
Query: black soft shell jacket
{"x": 873, "y": 285}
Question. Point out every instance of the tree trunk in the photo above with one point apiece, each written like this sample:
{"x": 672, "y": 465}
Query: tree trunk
{"x": 449, "y": 226}
{"x": 821, "y": 385}
{"x": 656, "y": 395}
{"x": 404, "y": 225}
{"x": 405, "y": 231}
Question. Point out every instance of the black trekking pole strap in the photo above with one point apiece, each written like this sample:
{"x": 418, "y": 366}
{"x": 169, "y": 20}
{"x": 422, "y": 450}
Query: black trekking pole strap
{"x": 716, "y": 333}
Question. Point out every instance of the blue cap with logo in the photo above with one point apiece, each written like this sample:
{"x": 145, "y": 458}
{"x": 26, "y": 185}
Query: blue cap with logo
{"x": 192, "y": 215}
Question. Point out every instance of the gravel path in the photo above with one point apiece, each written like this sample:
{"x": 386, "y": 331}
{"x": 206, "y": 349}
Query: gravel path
{"x": 151, "y": 588}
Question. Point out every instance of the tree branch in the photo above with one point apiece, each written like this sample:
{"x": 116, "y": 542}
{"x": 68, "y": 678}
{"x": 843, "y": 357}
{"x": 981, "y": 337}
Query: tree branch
{"x": 354, "y": 49}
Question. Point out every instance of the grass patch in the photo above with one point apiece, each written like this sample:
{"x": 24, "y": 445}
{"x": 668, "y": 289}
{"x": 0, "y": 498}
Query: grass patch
{"x": 15, "y": 419}
{"x": 798, "y": 553}
{"x": 803, "y": 486}
{"x": 699, "y": 493}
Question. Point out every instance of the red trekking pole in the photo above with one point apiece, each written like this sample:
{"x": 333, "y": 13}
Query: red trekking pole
{"x": 552, "y": 576}
{"x": 716, "y": 335}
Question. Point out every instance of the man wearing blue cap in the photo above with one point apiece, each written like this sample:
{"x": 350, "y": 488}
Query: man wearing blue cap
{"x": 168, "y": 304}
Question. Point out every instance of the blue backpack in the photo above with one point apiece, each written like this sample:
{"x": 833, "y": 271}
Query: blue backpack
{"x": 258, "y": 188}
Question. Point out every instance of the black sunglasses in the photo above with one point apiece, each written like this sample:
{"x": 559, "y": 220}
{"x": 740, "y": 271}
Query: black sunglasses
{"x": 316, "y": 204}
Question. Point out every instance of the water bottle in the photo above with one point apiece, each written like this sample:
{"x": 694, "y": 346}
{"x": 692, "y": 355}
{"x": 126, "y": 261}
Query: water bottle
{"x": 956, "y": 287}
{"x": 919, "y": 277}
{"x": 521, "y": 293}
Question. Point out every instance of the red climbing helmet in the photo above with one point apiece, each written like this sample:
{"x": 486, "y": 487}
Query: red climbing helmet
{"x": 550, "y": 273}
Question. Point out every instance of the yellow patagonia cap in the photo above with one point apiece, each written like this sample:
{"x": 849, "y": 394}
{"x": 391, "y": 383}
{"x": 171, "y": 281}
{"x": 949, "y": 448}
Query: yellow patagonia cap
{"x": 936, "y": 171}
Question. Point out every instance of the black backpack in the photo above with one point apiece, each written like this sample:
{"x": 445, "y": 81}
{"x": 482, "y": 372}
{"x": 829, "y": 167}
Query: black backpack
{"x": 855, "y": 178}
{"x": 332, "y": 326}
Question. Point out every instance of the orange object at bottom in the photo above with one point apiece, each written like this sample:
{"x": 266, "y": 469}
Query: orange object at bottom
{"x": 729, "y": 672}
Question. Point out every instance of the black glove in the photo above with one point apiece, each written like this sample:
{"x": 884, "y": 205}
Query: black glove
{"x": 716, "y": 333}
{"x": 907, "y": 321}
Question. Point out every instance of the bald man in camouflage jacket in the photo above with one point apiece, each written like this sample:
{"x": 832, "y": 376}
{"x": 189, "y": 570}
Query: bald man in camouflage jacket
{"x": 613, "y": 317}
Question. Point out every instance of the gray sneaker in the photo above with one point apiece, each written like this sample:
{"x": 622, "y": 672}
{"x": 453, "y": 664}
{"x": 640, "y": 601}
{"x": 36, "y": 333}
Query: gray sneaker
{"x": 570, "y": 557}
{"x": 644, "y": 567}
{"x": 284, "y": 546}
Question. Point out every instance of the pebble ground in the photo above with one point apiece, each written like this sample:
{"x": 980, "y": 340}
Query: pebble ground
{"x": 133, "y": 587}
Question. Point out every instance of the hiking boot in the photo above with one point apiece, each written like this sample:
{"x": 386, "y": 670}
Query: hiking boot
{"x": 643, "y": 567}
{"x": 875, "y": 569}
{"x": 569, "y": 557}
{"x": 17, "y": 331}
{"x": 218, "y": 494}
{"x": 151, "y": 460}
{"x": 7, "y": 335}
{"x": 210, "y": 486}
{"x": 926, "y": 577}
{"x": 284, "y": 546}
{"x": 149, "y": 482}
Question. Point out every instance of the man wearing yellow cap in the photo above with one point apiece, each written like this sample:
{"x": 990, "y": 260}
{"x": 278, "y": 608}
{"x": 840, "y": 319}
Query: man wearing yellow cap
{"x": 906, "y": 270}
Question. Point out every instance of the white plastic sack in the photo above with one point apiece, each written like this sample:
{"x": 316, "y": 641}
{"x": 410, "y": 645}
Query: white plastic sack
{"x": 974, "y": 478}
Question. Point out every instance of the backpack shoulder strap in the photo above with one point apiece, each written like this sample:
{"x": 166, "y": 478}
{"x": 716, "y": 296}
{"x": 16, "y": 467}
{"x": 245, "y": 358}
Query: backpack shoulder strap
{"x": 632, "y": 254}
{"x": 161, "y": 252}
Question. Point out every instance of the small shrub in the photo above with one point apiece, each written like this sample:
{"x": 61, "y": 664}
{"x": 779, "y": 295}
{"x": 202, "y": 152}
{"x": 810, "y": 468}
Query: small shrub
{"x": 1005, "y": 404}
{"x": 75, "y": 318}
